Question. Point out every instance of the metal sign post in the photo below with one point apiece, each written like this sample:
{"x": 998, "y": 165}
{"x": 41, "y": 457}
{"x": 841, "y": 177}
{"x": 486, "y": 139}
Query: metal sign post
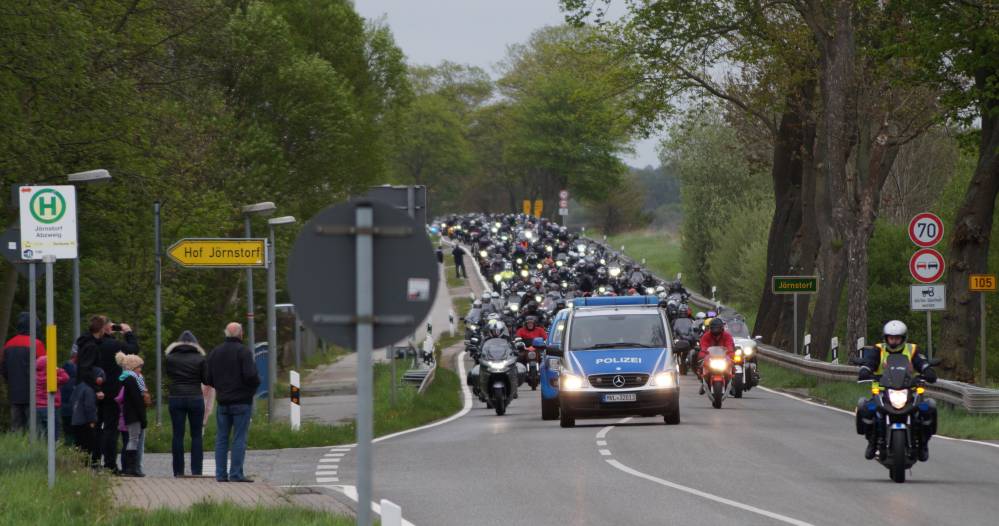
{"x": 336, "y": 251}
{"x": 982, "y": 283}
{"x": 158, "y": 307}
{"x": 33, "y": 352}
{"x": 928, "y": 298}
{"x": 52, "y": 363}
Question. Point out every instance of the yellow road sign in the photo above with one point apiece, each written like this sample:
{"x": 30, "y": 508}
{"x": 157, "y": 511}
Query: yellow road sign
{"x": 539, "y": 206}
{"x": 51, "y": 380}
{"x": 220, "y": 253}
{"x": 982, "y": 283}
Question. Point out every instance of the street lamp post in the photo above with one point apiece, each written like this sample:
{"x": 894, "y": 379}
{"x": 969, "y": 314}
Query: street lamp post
{"x": 265, "y": 208}
{"x": 272, "y": 312}
{"x": 80, "y": 179}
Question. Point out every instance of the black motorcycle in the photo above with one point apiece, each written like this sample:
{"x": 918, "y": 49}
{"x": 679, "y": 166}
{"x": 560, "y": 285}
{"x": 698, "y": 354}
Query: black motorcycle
{"x": 899, "y": 428}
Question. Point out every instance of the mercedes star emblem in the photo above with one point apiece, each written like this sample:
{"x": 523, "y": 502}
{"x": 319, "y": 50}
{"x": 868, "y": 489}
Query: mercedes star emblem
{"x": 618, "y": 381}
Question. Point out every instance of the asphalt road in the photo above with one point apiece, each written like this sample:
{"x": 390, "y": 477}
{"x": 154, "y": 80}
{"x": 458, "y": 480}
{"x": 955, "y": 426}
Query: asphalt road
{"x": 764, "y": 459}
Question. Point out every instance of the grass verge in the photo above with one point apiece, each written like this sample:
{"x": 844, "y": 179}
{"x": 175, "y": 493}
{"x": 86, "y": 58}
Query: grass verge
{"x": 954, "y": 422}
{"x": 441, "y": 400}
{"x": 82, "y": 497}
{"x": 660, "y": 250}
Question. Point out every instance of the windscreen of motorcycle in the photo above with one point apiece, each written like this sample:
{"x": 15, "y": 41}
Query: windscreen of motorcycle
{"x": 683, "y": 327}
{"x": 897, "y": 372}
{"x": 717, "y": 351}
{"x": 737, "y": 328}
{"x": 496, "y": 349}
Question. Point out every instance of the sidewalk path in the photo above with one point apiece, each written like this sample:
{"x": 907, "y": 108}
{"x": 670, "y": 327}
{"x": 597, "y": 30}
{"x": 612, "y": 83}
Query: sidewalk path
{"x": 329, "y": 393}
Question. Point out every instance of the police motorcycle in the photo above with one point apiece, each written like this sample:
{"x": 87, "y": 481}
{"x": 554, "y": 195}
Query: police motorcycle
{"x": 898, "y": 403}
{"x": 717, "y": 375}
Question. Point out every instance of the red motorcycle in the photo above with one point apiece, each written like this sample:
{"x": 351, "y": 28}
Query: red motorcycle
{"x": 530, "y": 356}
{"x": 716, "y": 375}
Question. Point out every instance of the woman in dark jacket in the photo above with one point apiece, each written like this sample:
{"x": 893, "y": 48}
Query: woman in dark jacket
{"x": 185, "y": 367}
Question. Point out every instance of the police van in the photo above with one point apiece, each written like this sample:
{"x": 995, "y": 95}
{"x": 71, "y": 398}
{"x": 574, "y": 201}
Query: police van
{"x": 615, "y": 358}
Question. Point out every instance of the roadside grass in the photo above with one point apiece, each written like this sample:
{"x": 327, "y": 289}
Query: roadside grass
{"x": 441, "y": 400}
{"x": 660, "y": 250}
{"x": 954, "y": 422}
{"x": 83, "y": 497}
{"x": 454, "y": 281}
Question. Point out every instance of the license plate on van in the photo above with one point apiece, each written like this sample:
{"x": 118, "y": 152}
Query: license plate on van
{"x": 620, "y": 397}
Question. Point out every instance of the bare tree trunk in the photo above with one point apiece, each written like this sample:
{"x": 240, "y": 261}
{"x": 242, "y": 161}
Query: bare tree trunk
{"x": 795, "y": 135}
{"x": 969, "y": 247}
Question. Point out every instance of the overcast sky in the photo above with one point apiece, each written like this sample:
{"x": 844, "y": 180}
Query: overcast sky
{"x": 472, "y": 32}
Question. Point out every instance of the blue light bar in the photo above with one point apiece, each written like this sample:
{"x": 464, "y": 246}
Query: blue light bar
{"x": 614, "y": 301}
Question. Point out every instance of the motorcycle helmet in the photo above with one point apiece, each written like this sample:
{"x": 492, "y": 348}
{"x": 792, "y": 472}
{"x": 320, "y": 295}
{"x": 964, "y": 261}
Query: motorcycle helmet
{"x": 712, "y": 314}
{"x": 700, "y": 315}
{"x": 486, "y": 298}
{"x": 895, "y": 328}
{"x": 494, "y": 328}
{"x": 477, "y": 304}
{"x": 716, "y": 326}
{"x": 495, "y": 295}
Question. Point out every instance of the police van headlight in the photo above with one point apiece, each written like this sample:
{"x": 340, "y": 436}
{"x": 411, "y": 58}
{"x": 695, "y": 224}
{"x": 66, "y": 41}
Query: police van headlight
{"x": 571, "y": 382}
{"x": 898, "y": 397}
{"x": 665, "y": 380}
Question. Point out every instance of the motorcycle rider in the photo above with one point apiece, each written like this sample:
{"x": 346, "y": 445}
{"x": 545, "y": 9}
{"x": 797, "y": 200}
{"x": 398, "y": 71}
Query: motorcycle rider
{"x": 531, "y": 330}
{"x": 873, "y": 360}
{"x": 715, "y": 336}
{"x": 488, "y": 307}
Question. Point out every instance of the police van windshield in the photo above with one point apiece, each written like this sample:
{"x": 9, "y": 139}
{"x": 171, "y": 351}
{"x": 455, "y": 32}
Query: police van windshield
{"x": 616, "y": 330}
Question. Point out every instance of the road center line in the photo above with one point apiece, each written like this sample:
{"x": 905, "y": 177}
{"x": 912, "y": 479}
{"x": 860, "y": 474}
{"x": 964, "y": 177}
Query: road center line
{"x": 706, "y": 495}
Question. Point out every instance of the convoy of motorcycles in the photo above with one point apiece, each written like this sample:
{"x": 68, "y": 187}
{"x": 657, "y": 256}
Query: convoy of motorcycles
{"x": 535, "y": 267}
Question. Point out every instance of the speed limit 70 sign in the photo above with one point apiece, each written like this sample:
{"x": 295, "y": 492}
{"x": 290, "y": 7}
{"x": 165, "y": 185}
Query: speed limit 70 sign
{"x": 926, "y": 229}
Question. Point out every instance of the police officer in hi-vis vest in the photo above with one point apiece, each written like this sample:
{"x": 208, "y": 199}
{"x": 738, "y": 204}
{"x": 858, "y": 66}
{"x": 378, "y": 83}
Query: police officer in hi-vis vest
{"x": 873, "y": 360}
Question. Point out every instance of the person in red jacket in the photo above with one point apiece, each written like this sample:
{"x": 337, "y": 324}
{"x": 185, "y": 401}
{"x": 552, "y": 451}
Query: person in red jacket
{"x": 531, "y": 330}
{"x": 15, "y": 366}
{"x": 715, "y": 336}
{"x": 42, "y": 394}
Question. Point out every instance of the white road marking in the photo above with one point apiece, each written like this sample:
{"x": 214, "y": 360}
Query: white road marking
{"x": 326, "y": 474}
{"x": 349, "y": 491}
{"x": 706, "y": 495}
{"x": 601, "y": 442}
{"x": 605, "y": 452}
{"x": 327, "y": 479}
{"x": 334, "y": 455}
{"x": 329, "y": 460}
{"x": 838, "y": 410}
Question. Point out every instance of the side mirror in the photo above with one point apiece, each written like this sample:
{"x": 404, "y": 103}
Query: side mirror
{"x": 555, "y": 351}
{"x": 681, "y": 345}
{"x": 758, "y": 338}
{"x": 935, "y": 361}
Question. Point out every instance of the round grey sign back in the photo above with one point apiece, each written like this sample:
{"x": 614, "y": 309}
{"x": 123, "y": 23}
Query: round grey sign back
{"x": 322, "y": 274}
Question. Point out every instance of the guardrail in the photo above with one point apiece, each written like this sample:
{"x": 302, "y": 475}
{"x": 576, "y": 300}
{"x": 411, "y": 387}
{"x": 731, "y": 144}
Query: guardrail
{"x": 972, "y": 398}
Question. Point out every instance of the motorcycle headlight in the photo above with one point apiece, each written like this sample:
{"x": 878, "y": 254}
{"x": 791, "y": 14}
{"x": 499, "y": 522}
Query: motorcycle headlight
{"x": 565, "y": 284}
{"x": 472, "y": 326}
{"x": 664, "y": 379}
{"x": 514, "y": 307}
{"x": 603, "y": 261}
{"x": 539, "y": 265}
{"x": 520, "y": 261}
{"x": 898, "y": 397}
{"x": 497, "y": 277}
{"x": 571, "y": 381}
{"x": 548, "y": 248}
{"x": 614, "y": 272}
{"x": 718, "y": 364}
{"x": 538, "y": 298}
{"x": 581, "y": 248}
{"x": 524, "y": 273}
{"x": 602, "y": 289}
{"x": 532, "y": 355}
{"x": 650, "y": 291}
{"x": 748, "y": 351}
{"x": 483, "y": 254}
{"x": 559, "y": 263}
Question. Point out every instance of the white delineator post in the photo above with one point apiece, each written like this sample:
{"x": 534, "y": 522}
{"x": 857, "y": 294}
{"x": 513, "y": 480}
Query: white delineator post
{"x": 295, "y": 414}
{"x": 834, "y": 346}
{"x": 808, "y": 346}
{"x": 450, "y": 319}
{"x": 391, "y": 513}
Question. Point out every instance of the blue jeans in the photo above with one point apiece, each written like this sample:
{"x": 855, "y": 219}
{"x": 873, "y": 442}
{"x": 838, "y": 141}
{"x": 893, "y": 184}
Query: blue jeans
{"x": 234, "y": 418}
{"x": 42, "y": 421}
{"x": 187, "y": 410}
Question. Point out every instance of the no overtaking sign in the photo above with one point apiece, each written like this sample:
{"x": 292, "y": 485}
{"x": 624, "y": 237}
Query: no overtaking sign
{"x": 48, "y": 222}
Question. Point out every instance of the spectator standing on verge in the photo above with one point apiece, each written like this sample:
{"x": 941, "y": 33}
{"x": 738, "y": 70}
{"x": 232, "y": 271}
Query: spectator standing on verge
{"x": 133, "y": 410}
{"x": 69, "y": 435}
{"x": 98, "y": 349}
{"x": 42, "y": 395}
{"x": 185, "y": 367}
{"x": 14, "y": 368}
{"x": 84, "y": 406}
{"x": 440, "y": 255}
{"x": 233, "y": 374}
{"x": 459, "y": 261}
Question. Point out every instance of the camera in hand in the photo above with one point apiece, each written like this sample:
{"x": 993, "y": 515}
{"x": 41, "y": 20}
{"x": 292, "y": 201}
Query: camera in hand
{"x": 116, "y": 327}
